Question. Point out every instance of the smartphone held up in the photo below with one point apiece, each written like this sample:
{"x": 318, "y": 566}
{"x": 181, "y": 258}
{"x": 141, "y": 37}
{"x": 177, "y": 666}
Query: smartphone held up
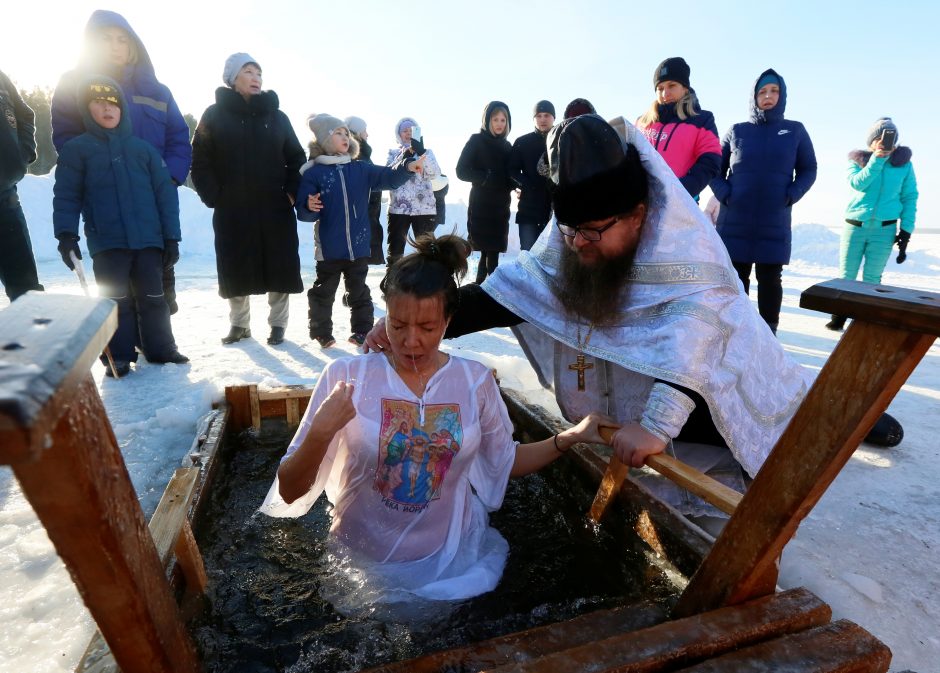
{"x": 888, "y": 138}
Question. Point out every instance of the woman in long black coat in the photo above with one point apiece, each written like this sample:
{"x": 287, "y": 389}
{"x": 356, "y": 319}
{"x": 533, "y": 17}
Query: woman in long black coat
{"x": 246, "y": 161}
{"x": 484, "y": 162}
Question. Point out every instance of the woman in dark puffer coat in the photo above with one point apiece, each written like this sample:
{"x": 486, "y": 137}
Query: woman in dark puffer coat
{"x": 484, "y": 162}
{"x": 767, "y": 165}
{"x": 246, "y": 159}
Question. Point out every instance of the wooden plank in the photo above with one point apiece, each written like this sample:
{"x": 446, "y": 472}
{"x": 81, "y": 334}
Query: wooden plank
{"x": 239, "y": 403}
{"x": 170, "y": 515}
{"x": 255, "y": 406}
{"x": 81, "y": 492}
{"x": 190, "y": 560}
{"x": 866, "y": 369}
{"x": 896, "y": 307}
{"x": 840, "y": 647}
{"x": 288, "y": 393}
{"x": 97, "y": 657}
{"x": 47, "y": 344}
{"x": 672, "y": 644}
{"x": 609, "y": 487}
{"x": 293, "y": 413}
{"x": 272, "y": 408}
{"x": 532, "y": 643}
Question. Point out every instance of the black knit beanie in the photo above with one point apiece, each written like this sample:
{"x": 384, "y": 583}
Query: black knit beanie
{"x": 673, "y": 69}
{"x": 544, "y": 106}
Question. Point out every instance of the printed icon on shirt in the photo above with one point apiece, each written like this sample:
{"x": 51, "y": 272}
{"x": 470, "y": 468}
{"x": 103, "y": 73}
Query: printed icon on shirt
{"x": 413, "y": 459}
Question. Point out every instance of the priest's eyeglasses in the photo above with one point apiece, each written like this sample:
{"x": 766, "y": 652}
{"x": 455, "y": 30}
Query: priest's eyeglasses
{"x": 587, "y": 233}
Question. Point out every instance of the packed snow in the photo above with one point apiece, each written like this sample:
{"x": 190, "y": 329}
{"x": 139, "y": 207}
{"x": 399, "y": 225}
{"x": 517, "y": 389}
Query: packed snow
{"x": 869, "y": 548}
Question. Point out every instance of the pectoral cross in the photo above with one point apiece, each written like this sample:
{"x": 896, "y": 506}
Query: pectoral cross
{"x": 580, "y": 366}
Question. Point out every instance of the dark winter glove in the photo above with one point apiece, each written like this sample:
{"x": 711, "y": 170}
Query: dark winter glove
{"x": 68, "y": 243}
{"x": 171, "y": 253}
{"x": 417, "y": 146}
{"x": 902, "y": 240}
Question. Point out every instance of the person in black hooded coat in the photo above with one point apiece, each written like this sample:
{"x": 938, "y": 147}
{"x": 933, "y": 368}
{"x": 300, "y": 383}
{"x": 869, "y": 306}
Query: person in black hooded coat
{"x": 484, "y": 162}
{"x": 246, "y": 162}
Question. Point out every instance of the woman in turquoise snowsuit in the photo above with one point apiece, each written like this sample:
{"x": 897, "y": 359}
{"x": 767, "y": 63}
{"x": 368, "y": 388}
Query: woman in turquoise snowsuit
{"x": 884, "y": 192}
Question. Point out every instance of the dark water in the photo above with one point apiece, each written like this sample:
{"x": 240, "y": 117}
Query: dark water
{"x": 266, "y": 613}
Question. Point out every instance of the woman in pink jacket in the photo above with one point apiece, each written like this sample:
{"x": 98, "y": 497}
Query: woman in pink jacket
{"x": 681, "y": 131}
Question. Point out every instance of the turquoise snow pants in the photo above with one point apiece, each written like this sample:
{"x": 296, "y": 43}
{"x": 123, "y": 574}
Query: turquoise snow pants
{"x": 871, "y": 241}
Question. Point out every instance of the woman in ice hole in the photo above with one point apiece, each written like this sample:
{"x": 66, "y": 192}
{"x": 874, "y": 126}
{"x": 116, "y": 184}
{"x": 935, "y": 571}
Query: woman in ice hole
{"x": 424, "y": 533}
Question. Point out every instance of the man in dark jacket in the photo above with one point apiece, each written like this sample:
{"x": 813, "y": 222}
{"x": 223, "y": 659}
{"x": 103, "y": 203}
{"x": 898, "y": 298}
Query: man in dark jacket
{"x": 535, "y": 203}
{"x": 17, "y": 151}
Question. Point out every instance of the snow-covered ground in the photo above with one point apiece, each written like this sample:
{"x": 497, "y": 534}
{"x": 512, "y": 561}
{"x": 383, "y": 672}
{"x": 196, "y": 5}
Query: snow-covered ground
{"x": 869, "y": 548}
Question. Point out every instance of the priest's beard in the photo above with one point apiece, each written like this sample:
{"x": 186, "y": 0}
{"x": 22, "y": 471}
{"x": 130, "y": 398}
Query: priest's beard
{"x": 593, "y": 292}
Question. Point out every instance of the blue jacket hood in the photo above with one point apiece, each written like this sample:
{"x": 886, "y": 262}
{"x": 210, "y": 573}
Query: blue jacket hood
{"x": 123, "y": 129}
{"x": 103, "y": 18}
{"x": 774, "y": 114}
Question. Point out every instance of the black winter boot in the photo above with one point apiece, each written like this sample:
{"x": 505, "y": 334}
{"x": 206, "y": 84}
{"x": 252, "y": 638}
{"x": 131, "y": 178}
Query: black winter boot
{"x": 236, "y": 334}
{"x": 276, "y": 337}
{"x": 887, "y": 432}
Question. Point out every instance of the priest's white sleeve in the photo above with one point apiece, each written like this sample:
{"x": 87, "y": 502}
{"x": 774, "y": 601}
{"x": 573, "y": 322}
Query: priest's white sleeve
{"x": 667, "y": 410}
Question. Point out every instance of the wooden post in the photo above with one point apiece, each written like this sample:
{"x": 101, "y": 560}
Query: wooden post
{"x": 876, "y": 355}
{"x": 55, "y": 434}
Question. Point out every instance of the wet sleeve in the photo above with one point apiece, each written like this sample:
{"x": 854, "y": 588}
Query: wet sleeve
{"x": 273, "y": 504}
{"x": 490, "y": 470}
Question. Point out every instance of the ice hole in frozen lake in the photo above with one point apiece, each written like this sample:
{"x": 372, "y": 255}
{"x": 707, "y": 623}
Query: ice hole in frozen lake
{"x": 266, "y": 613}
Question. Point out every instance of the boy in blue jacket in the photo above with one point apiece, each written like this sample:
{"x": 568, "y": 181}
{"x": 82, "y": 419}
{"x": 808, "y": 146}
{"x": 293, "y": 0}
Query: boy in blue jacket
{"x": 334, "y": 194}
{"x": 122, "y": 189}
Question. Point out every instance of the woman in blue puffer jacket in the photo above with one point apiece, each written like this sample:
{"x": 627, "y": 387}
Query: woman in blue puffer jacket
{"x": 884, "y": 191}
{"x": 767, "y": 165}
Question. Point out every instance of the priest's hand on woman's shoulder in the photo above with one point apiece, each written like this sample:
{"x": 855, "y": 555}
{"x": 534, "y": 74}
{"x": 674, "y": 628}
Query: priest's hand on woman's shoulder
{"x": 633, "y": 443}
{"x": 376, "y": 339}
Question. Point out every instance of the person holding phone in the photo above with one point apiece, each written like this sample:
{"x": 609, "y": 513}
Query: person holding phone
{"x": 882, "y": 207}
{"x": 413, "y": 204}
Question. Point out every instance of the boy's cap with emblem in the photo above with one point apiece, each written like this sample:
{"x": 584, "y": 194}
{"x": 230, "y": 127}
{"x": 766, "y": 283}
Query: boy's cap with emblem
{"x": 102, "y": 91}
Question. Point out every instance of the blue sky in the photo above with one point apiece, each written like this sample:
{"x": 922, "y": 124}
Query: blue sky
{"x": 845, "y": 65}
